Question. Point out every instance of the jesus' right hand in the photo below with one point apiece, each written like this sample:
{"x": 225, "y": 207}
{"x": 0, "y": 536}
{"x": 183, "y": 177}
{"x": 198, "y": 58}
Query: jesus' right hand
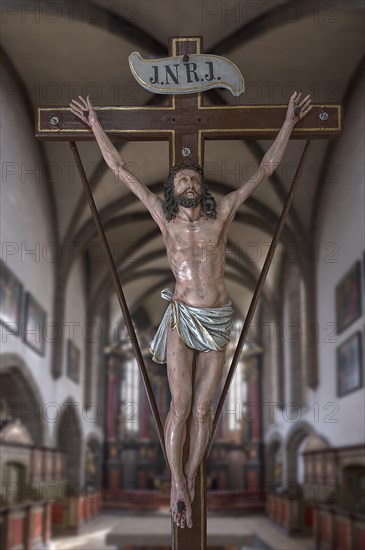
{"x": 84, "y": 110}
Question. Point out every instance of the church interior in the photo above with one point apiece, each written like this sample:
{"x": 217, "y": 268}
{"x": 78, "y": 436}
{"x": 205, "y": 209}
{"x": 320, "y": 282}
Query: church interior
{"x": 80, "y": 454}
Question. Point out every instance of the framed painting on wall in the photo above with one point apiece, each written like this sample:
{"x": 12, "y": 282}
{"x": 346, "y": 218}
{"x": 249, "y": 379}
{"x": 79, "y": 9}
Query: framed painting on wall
{"x": 348, "y": 298}
{"x": 11, "y": 295}
{"x": 349, "y": 365}
{"x": 35, "y": 321}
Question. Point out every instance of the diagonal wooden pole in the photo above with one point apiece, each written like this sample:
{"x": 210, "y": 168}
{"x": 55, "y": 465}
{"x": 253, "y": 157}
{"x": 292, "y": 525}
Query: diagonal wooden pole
{"x": 257, "y": 292}
{"x": 121, "y": 298}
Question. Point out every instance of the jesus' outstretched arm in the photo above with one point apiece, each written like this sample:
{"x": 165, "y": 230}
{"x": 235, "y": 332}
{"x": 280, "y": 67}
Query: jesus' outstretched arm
{"x": 296, "y": 111}
{"x": 85, "y": 111}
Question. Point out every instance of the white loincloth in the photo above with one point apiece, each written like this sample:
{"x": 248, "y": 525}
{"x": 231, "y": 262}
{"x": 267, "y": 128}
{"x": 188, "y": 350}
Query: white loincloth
{"x": 201, "y": 328}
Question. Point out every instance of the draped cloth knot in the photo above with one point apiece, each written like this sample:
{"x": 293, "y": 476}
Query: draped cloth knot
{"x": 201, "y": 328}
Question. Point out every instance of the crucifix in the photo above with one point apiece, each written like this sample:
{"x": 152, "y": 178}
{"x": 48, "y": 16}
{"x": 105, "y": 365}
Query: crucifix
{"x": 190, "y": 221}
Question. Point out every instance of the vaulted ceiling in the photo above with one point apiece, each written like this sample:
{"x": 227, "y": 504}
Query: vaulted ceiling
{"x": 71, "y": 49}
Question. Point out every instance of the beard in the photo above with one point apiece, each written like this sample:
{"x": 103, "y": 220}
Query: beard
{"x": 187, "y": 202}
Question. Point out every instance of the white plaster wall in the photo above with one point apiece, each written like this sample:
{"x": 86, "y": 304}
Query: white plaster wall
{"x": 26, "y": 223}
{"x": 340, "y": 221}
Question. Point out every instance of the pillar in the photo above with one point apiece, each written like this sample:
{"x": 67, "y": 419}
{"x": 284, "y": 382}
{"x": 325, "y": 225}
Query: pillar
{"x": 253, "y": 474}
{"x": 114, "y": 374}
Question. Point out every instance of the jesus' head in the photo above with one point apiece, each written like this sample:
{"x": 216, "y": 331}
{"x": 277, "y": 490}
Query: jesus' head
{"x": 185, "y": 186}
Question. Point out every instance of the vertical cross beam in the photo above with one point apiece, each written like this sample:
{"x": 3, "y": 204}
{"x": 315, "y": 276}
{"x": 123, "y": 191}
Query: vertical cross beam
{"x": 186, "y": 135}
{"x": 196, "y": 537}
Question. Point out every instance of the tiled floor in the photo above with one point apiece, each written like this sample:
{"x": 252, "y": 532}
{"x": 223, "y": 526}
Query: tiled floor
{"x": 93, "y": 536}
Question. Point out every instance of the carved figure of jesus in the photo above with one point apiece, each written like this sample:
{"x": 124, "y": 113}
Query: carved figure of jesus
{"x": 198, "y": 319}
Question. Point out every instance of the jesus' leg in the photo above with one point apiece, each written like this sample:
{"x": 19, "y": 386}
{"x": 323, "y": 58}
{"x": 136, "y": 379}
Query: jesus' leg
{"x": 208, "y": 374}
{"x": 179, "y": 373}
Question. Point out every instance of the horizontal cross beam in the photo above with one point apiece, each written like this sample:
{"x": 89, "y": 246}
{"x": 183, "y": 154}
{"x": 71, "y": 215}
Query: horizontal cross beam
{"x": 208, "y": 121}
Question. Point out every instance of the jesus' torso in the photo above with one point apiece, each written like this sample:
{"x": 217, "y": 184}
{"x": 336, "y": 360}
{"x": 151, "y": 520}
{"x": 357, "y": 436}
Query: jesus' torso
{"x": 196, "y": 251}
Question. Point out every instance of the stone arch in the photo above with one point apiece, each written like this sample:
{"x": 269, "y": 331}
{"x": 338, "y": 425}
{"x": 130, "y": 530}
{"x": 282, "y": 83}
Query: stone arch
{"x": 294, "y": 444}
{"x": 20, "y": 397}
{"x": 69, "y": 440}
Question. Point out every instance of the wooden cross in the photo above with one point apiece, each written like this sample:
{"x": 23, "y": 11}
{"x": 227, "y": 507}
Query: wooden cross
{"x": 186, "y": 122}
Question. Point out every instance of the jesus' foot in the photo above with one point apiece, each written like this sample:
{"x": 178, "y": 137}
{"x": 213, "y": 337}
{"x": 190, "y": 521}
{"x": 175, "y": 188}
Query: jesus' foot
{"x": 180, "y": 508}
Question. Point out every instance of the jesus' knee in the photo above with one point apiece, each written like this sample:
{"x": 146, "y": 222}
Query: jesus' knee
{"x": 180, "y": 410}
{"x": 202, "y": 412}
